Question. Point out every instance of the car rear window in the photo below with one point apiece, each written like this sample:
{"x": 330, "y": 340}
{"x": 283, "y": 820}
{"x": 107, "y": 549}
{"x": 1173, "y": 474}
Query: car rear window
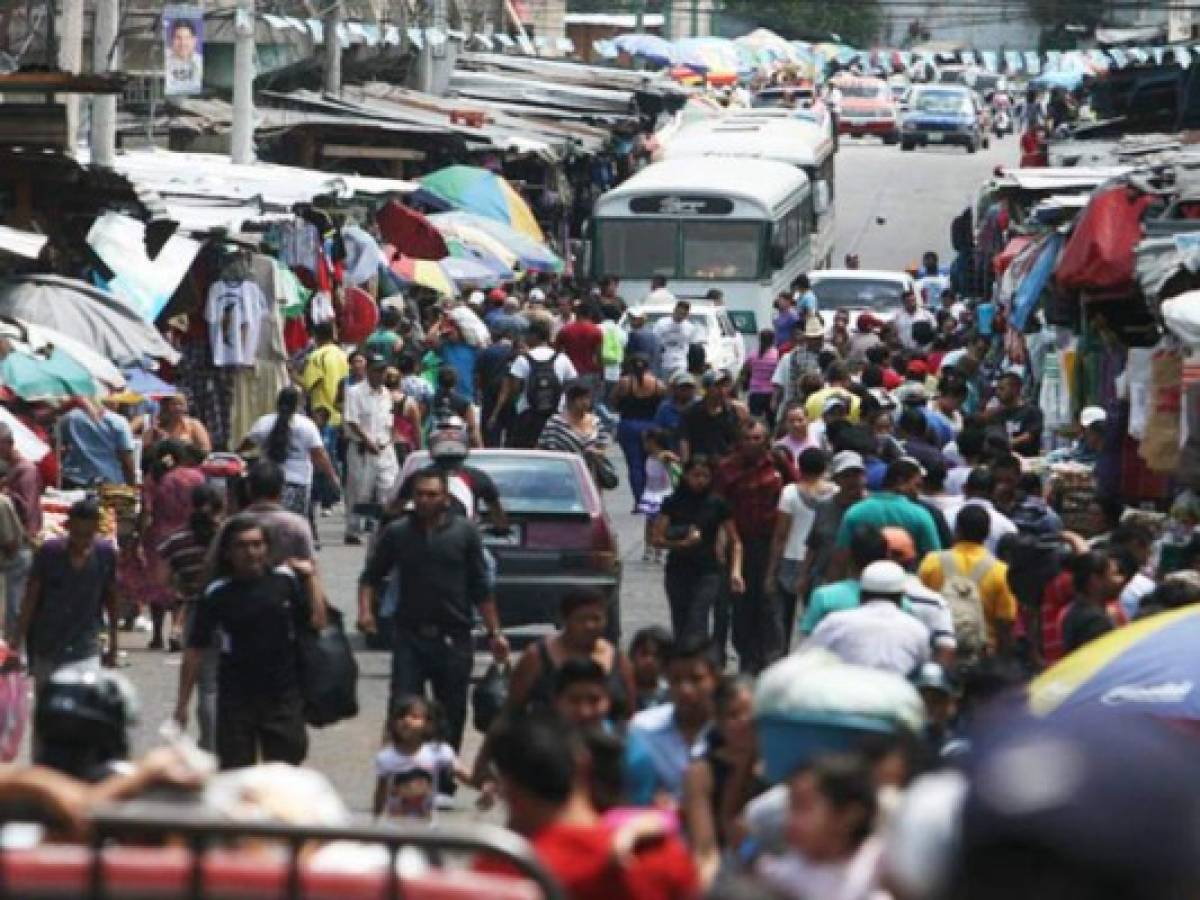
{"x": 535, "y": 485}
{"x": 858, "y": 293}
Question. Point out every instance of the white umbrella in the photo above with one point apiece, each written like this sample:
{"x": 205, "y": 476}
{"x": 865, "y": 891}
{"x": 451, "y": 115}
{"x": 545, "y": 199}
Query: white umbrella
{"x": 32, "y": 447}
{"x": 38, "y": 337}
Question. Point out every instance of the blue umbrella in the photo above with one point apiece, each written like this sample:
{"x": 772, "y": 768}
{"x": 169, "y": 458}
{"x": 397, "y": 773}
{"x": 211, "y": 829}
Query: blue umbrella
{"x": 147, "y": 384}
{"x": 649, "y": 47}
{"x": 533, "y": 256}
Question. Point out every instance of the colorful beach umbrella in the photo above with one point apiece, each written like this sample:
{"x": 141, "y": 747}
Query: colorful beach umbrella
{"x": 484, "y": 193}
{"x": 650, "y": 47}
{"x": 499, "y": 267}
{"x": 424, "y": 273}
{"x": 53, "y": 376}
{"x": 1151, "y": 666}
{"x": 532, "y": 255}
{"x": 468, "y": 273}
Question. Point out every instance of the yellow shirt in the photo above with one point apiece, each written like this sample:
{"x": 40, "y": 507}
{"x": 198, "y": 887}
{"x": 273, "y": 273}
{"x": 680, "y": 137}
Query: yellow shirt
{"x": 999, "y": 603}
{"x": 326, "y": 369}
{"x": 814, "y": 406}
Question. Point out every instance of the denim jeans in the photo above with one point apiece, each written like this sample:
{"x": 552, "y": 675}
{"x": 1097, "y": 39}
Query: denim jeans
{"x": 692, "y": 596}
{"x": 629, "y": 435}
{"x": 16, "y": 574}
{"x": 440, "y": 659}
{"x": 757, "y": 623}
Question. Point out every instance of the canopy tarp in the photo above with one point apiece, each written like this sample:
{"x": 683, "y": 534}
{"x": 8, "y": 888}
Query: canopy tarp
{"x": 1099, "y": 255}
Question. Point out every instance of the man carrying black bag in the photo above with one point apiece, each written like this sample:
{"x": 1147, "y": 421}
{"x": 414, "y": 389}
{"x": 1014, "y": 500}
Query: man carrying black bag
{"x": 256, "y": 615}
{"x": 438, "y": 557}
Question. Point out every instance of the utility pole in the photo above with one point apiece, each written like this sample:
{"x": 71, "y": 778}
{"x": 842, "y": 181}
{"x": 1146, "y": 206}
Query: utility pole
{"x": 70, "y": 59}
{"x": 333, "y": 49}
{"x": 105, "y": 58}
{"x": 241, "y": 145}
{"x": 639, "y": 16}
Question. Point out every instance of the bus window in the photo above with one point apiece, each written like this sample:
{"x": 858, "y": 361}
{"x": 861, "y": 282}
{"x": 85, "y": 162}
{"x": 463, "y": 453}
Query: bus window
{"x": 637, "y": 249}
{"x": 721, "y": 250}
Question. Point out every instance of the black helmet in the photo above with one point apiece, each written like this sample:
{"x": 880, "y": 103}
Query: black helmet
{"x": 82, "y": 721}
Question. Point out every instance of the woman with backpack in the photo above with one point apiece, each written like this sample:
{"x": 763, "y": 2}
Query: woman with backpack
{"x": 636, "y": 399}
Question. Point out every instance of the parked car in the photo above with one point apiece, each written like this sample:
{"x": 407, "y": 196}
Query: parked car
{"x": 857, "y": 291}
{"x": 941, "y": 114}
{"x": 868, "y": 108}
{"x": 723, "y": 345}
{"x": 560, "y": 537}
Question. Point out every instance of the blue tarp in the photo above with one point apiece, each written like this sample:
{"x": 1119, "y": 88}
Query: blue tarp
{"x": 1030, "y": 290}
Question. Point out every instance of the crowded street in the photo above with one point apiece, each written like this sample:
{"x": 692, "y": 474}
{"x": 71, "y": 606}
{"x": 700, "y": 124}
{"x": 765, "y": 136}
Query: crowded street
{"x": 490, "y": 451}
{"x": 874, "y": 182}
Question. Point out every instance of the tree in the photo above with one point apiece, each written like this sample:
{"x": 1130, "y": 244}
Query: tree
{"x": 856, "y": 22}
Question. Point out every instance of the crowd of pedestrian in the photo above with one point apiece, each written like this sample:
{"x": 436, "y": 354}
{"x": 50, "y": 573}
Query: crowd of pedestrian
{"x": 865, "y": 492}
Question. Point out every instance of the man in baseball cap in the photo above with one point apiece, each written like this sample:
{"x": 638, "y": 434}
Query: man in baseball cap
{"x": 1093, "y": 422}
{"x": 877, "y": 633}
{"x": 849, "y": 473}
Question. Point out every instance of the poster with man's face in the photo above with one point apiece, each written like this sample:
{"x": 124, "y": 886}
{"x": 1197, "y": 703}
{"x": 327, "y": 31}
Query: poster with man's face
{"x": 183, "y": 50}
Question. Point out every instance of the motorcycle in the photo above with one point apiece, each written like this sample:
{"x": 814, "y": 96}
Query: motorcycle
{"x": 1002, "y": 123}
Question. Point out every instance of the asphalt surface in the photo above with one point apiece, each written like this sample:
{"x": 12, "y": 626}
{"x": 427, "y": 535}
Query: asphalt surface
{"x": 891, "y": 207}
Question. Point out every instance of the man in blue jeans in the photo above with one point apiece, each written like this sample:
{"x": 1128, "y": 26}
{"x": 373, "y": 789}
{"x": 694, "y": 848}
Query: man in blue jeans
{"x": 438, "y": 556}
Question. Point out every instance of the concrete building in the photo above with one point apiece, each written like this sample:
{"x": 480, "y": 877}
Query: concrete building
{"x": 982, "y": 24}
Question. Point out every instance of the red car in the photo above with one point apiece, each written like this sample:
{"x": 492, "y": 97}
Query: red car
{"x": 867, "y": 108}
{"x": 560, "y": 537}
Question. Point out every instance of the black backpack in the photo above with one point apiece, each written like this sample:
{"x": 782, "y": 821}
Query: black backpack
{"x": 543, "y": 389}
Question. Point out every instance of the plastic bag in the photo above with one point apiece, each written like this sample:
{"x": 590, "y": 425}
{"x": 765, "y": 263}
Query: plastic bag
{"x": 328, "y": 674}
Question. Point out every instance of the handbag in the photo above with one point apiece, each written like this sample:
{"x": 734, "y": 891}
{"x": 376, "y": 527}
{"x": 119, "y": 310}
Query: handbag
{"x": 490, "y": 696}
{"x": 604, "y": 472}
{"x": 328, "y": 673}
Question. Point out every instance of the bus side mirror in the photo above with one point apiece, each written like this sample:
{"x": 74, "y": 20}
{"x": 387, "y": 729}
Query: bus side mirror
{"x": 821, "y": 198}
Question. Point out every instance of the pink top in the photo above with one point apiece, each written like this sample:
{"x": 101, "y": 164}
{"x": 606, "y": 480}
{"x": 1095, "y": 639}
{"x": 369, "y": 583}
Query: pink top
{"x": 762, "y": 369}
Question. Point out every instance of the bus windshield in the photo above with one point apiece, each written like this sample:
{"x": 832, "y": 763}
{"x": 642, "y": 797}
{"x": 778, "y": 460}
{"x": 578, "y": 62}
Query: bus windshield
{"x": 639, "y": 248}
{"x": 858, "y": 293}
{"x": 721, "y": 249}
{"x": 632, "y": 248}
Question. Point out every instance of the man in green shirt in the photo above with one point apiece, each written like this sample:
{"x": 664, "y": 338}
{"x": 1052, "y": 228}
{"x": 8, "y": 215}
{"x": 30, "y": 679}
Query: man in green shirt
{"x": 891, "y": 507}
{"x": 385, "y": 340}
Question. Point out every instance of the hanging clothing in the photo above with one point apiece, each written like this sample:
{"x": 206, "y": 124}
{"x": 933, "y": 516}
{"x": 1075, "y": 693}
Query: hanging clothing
{"x": 299, "y": 244}
{"x": 234, "y": 313}
{"x": 210, "y": 389}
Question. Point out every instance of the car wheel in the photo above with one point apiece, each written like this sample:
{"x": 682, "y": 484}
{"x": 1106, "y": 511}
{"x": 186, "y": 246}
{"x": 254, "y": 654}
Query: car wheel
{"x": 971, "y": 146}
{"x": 906, "y": 145}
{"x": 891, "y": 139}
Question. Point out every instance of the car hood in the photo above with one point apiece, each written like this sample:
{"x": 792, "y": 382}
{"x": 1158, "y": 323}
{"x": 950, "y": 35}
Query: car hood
{"x": 861, "y": 105}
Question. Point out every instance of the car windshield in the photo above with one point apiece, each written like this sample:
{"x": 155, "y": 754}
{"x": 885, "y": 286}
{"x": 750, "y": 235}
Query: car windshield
{"x": 858, "y": 293}
{"x": 696, "y": 321}
{"x": 638, "y": 248}
{"x": 535, "y": 485}
{"x": 721, "y": 250}
{"x": 945, "y": 103}
{"x": 867, "y": 91}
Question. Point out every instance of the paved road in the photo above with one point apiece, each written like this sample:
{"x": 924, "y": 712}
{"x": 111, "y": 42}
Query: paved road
{"x": 916, "y": 193}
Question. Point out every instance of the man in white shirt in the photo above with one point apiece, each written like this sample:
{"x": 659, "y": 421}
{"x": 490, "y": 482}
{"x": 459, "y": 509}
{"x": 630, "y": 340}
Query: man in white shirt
{"x": 910, "y": 315}
{"x": 877, "y": 633}
{"x": 536, "y": 379}
{"x": 372, "y": 467}
{"x": 675, "y": 335}
{"x": 978, "y": 491}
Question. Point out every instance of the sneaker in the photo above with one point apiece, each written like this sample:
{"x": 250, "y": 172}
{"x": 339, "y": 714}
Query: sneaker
{"x": 353, "y": 540}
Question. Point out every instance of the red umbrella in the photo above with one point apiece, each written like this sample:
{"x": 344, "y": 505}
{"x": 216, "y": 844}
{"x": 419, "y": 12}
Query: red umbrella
{"x": 410, "y": 232}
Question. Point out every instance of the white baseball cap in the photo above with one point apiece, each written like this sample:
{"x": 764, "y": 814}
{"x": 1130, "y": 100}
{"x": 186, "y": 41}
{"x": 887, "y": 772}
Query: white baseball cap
{"x": 537, "y": 295}
{"x": 847, "y": 461}
{"x": 883, "y": 577}
{"x": 1092, "y": 415}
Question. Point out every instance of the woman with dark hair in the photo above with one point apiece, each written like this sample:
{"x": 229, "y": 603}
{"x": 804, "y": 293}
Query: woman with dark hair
{"x": 688, "y": 526}
{"x": 166, "y": 505}
{"x": 756, "y": 376}
{"x": 636, "y": 398}
{"x": 576, "y": 429}
{"x": 186, "y": 554}
{"x": 292, "y": 440}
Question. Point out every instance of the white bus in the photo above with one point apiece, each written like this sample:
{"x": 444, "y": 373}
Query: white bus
{"x": 765, "y": 134}
{"x": 703, "y": 223}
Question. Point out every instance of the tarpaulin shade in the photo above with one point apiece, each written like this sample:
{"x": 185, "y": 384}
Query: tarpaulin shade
{"x": 1030, "y": 288}
{"x": 1099, "y": 255}
{"x": 410, "y": 232}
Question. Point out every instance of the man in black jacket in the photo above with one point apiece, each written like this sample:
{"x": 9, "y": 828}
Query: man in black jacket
{"x": 438, "y": 557}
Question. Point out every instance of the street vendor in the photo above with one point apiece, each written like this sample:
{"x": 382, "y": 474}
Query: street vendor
{"x": 1093, "y": 422}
